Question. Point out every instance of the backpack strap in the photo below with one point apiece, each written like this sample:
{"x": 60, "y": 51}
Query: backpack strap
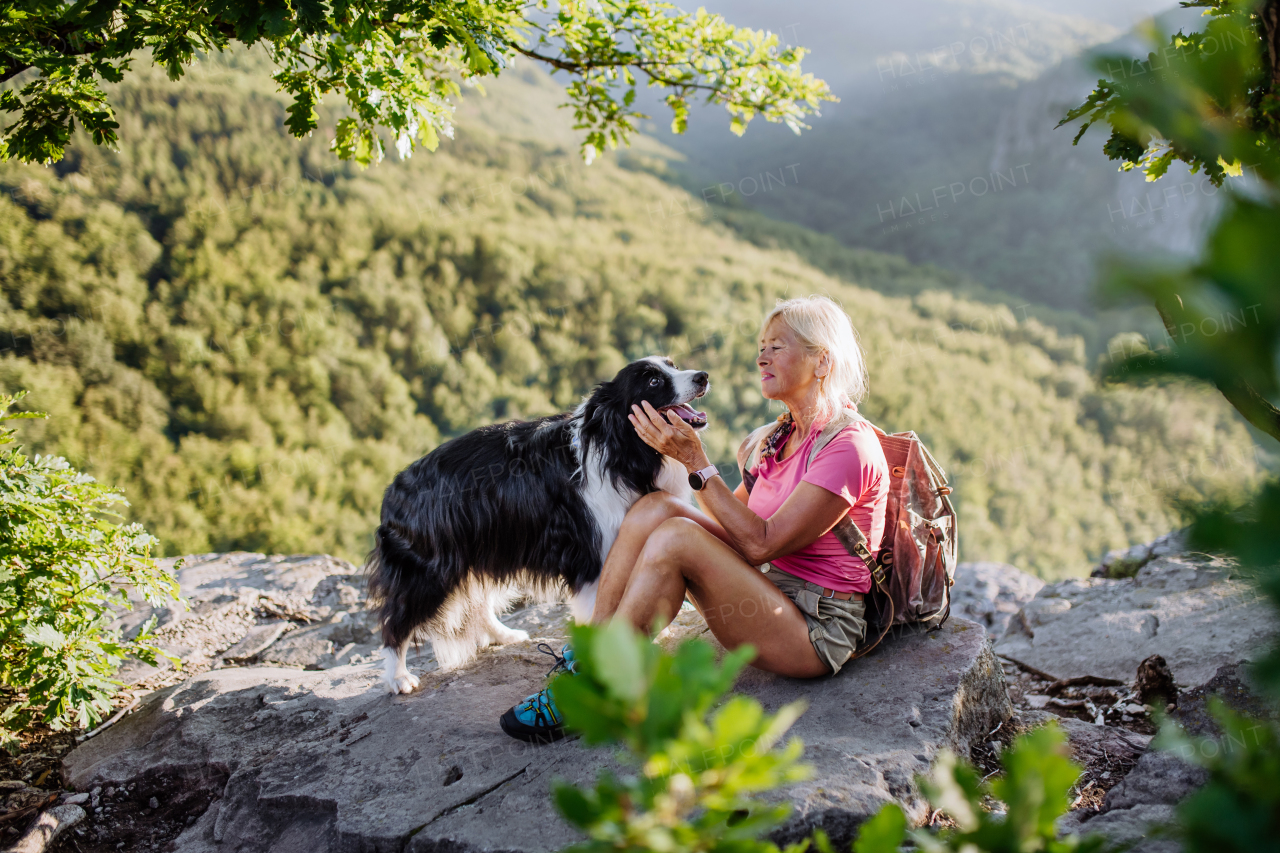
{"x": 879, "y": 602}
{"x": 846, "y": 529}
{"x": 843, "y": 419}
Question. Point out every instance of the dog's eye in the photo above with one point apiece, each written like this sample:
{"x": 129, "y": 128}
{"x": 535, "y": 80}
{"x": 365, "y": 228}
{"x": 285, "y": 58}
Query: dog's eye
{"x": 655, "y": 382}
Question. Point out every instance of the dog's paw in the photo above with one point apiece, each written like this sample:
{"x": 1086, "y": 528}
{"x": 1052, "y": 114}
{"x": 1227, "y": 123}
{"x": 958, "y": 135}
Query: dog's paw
{"x": 395, "y": 676}
{"x": 403, "y": 682}
{"x": 507, "y": 635}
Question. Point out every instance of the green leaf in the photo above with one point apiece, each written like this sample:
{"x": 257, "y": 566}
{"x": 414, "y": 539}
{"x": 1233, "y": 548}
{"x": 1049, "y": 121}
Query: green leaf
{"x": 63, "y": 574}
{"x": 952, "y": 788}
{"x": 302, "y": 113}
{"x": 574, "y": 805}
{"x": 883, "y": 833}
{"x": 430, "y": 139}
{"x": 44, "y": 635}
{"x": 617, "y": 661}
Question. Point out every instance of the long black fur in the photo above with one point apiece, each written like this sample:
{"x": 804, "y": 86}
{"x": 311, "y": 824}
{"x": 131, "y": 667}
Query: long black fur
{"x": 505, "y": 502}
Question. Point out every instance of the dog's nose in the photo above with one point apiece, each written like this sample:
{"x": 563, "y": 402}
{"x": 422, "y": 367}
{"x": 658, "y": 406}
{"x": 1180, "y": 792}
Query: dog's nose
{"x": 701, "y": 378}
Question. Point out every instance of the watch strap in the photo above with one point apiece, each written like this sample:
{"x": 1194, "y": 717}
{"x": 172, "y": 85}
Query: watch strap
{"x": 707, "y": 473}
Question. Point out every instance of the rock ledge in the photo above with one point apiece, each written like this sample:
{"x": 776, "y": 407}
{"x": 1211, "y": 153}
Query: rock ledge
{"x": 324, "y": 761}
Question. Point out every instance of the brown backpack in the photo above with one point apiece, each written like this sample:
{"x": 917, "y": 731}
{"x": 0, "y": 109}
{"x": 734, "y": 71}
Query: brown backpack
{"x": 914, "y": 569}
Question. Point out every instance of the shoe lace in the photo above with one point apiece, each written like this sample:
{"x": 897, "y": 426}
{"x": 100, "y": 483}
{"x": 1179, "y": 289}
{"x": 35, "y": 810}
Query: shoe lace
{"x": 561, "y": 663}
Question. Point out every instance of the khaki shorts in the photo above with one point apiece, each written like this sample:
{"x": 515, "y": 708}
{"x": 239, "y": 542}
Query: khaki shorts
{"x": 835, "y": 627}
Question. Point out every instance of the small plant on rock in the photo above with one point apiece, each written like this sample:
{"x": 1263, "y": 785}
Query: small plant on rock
{"x": 64, "y": 571}
{"x": 694, "y": 767}
{"x": 1034, "y": 788}
{"x": 1124, "y": 568}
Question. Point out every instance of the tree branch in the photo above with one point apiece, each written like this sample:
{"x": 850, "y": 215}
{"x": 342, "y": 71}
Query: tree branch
{"x": 57, "y": 40}
{"x": 578, "y": 67}
{"x": 677, "y": 85}
{"x": 1270, "y": 16}
{"x": 557, "y": 63}
{"x": 1256, "y": 408}
{"x": 1246, "y": 400}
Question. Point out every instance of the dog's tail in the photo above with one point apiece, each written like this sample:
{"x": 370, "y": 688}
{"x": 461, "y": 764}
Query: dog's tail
{"x": 407, "y": 588}
{"x": 433, "y": 596}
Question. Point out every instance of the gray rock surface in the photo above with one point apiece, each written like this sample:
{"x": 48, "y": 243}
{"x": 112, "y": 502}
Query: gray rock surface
{"x": 257, "y": 640}
{"x": 325, "y": 761}
{"x": 1091, "y": 744}
{"x": 1185, "y": 607}
{"x": 240, "y": 606}
{"x": 1160, "y": 778}
{"x": 1231, "y": 684}
{"x": 1136, "y": 830}
{"x": 1143, "y": 801}
{"x": 1127, "y": 561}
{"x": 304, "y": 611}
{"x": 990, "y": 593}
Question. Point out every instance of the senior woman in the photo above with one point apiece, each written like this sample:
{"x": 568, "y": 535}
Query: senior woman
{"x": 762, "y": 567}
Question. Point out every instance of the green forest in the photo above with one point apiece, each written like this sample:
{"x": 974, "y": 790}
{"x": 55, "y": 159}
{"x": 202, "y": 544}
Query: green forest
{"x": 251, "y": 337}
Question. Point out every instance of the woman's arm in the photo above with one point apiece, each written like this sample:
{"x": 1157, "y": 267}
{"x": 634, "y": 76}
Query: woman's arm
{"x": 807, "y": 513}
{"x": 740, "y": 493}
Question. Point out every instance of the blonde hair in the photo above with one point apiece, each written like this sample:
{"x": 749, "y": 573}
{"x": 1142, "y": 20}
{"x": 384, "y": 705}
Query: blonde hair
{"x": 822, "y": 326}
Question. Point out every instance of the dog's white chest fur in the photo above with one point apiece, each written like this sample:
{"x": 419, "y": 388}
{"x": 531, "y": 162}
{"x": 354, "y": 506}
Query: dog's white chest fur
{"x": 674, "y": 480}
{"x": 609, "y": 507}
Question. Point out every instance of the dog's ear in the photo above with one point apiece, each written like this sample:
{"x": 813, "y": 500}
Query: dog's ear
{"x": 598, "y": 401}
{"x": 606, "y": 430}
{"x": 604, "y": 413}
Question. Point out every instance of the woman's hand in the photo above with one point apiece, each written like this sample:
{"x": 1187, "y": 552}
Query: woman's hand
{"x": 668, "y": 434}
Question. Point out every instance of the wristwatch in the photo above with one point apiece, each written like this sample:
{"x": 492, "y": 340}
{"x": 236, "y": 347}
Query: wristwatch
{"x": 698, "y": 479}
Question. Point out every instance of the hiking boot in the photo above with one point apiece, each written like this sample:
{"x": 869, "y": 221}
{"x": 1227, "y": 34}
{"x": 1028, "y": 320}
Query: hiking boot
{"x": 537, "y": 719}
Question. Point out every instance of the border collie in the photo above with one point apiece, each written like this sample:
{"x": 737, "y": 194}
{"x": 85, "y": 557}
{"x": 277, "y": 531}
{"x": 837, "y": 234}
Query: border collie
{"x": 524, "y": 506}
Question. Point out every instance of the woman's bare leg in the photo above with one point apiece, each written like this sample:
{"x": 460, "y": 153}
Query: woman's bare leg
{"x": 641, "y": 520}
{"x": 739, "y": 603}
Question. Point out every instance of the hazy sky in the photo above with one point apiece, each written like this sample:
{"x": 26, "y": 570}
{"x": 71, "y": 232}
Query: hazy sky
{"x": 845, "y": 37}
{"x": 1118, "y": 13}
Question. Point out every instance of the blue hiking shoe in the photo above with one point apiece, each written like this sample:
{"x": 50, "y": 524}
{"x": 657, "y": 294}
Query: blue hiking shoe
{"x": 536, "y": 719}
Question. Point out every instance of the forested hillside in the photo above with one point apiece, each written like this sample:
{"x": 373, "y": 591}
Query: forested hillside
{"x": 252, "y": 339}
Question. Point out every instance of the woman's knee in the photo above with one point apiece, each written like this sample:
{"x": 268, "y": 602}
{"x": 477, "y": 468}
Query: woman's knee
{"x": 672, "y": 542}
{"x": 652, "y": 510}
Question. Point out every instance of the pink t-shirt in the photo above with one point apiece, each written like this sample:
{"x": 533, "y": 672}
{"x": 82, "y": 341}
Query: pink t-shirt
{"x": 853, "y": 466}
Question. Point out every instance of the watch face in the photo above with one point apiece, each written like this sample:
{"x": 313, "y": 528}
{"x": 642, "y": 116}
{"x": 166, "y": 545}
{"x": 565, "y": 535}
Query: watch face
{"x": 695, "y": 480}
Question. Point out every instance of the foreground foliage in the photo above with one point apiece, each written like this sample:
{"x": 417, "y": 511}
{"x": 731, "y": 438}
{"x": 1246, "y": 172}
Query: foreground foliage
{"x": 251, "y": 339}
{"x": 1216, "y": 106}
{"x": 1218, "y": 109}
{"x": 1248, "y": 533}
{"x": 1034, "y": 789}
{"x": 397, "y": 63}
{"x": 695, "y": 764}
{"x": 691, "y": 769}
{"x": 1213, "y": 101}
{"x": 64, "y": 569}
{"x": 1238, "y": 810}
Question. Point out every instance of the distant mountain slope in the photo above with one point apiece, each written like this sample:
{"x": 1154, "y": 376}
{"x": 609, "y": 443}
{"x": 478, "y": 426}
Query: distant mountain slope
{"x": 952, "y": 160}
{"x": 851, "y": 44}
{"x": 253, "y": 338}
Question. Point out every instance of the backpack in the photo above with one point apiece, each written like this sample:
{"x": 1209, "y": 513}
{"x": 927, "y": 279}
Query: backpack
{"x": 914, "y": 569}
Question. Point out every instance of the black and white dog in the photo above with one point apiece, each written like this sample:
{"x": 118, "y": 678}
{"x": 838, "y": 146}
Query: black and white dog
{"x": 519, "y": 507}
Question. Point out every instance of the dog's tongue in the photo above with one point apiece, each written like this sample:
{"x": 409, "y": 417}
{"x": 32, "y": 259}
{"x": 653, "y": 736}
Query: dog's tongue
{"x": 688, "y": 413}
